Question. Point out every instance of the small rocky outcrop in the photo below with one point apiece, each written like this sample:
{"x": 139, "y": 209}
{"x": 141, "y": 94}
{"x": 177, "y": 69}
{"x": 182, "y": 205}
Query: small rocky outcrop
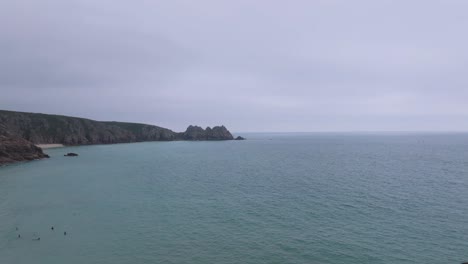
{"x": 198, "y": 133}
{"x": 71, "y": 154}
{"x": 239, "y": 138}
{"x": 15, "y": 149}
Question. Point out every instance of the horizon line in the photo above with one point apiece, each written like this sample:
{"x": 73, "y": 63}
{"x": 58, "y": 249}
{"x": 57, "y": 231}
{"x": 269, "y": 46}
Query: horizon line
{"x": 362, "y": 131}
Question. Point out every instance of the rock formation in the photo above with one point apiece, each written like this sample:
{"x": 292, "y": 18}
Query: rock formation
{"x": 198, "y": 133}
{"x": 50, "y": 129}
{"x": 14, "y": 149}
{"x": 25, "y": 129}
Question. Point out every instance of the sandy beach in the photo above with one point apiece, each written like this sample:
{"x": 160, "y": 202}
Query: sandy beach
{"x": 46, "y": 146}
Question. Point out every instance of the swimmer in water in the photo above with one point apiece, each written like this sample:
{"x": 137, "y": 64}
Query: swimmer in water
{"x": 52, "y": 228}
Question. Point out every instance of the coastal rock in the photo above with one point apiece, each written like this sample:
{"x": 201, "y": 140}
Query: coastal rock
{"x": 25, "y": 129}
{"x": 194, "y": 133}
{"x": 239, "y": 138}
{"x": 71, "y": 154}
{"x": 220, "y": 133}
{"x": 14, "y": 149}
{"x": 198, "y": 133}
{"x": 56, "y": 129}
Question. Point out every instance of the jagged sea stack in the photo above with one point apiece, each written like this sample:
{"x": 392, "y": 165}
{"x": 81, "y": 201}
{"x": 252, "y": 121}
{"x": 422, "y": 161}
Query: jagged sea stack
{"x": 215, "y": 133}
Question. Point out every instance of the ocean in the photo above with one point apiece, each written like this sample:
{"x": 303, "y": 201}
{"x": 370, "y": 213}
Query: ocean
{"x": 301, "y": 198}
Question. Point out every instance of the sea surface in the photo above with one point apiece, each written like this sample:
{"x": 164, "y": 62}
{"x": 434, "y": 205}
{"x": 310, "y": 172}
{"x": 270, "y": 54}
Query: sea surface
{"x": 303, "y": 198}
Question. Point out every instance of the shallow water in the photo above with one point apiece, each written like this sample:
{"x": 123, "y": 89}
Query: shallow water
{"x": 275, "y": 198}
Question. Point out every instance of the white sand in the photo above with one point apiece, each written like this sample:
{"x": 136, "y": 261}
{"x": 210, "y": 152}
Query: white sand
{"x": 46, "y": 146}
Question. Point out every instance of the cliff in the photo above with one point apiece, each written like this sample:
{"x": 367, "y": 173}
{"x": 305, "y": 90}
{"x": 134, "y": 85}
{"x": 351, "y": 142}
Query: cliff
{"x": 31, "y": 128}
{"x": 198, "y": 133}
{"x": 14, "y": 149}
{"x": 48, "y": 129}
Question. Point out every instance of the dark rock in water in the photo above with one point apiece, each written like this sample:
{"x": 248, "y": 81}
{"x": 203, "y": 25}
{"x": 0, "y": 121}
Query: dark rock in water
{"x": 239, "y": 138}
{"x": 71, "y": 155}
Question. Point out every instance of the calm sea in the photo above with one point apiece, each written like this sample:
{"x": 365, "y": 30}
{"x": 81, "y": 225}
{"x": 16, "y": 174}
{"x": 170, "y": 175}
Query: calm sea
{"x": 275, "y": 198}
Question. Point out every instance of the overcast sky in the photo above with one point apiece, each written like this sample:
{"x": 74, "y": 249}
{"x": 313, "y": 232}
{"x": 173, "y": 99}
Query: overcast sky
{"x": 252, "y": 65}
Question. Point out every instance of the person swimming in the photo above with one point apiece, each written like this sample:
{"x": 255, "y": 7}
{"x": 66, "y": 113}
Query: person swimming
{"x": 52, "y": 228}
{"x": 19, "y": 236}
{"x": 65, "y": 233}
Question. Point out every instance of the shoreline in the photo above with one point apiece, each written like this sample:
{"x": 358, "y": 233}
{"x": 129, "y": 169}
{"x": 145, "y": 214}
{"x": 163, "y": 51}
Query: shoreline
{"x": 48, "y": 146}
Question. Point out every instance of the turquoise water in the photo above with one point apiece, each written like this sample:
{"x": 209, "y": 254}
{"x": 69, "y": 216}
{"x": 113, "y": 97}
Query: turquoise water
{"x": 275, "y": 198}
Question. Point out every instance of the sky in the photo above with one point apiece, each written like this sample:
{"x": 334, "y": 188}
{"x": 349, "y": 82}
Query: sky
{"x": 285, "y": 66}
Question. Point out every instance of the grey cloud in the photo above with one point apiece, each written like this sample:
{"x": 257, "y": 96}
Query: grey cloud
{"x": 250, "y": 65}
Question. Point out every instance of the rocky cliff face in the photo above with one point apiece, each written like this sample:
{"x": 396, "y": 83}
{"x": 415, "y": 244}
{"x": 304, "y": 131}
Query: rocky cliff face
{"x": 31, "y": 128}
{"x": 48, "y": 129}
{"x": 198, "y": 133}
{"x": 14, "y": 149}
